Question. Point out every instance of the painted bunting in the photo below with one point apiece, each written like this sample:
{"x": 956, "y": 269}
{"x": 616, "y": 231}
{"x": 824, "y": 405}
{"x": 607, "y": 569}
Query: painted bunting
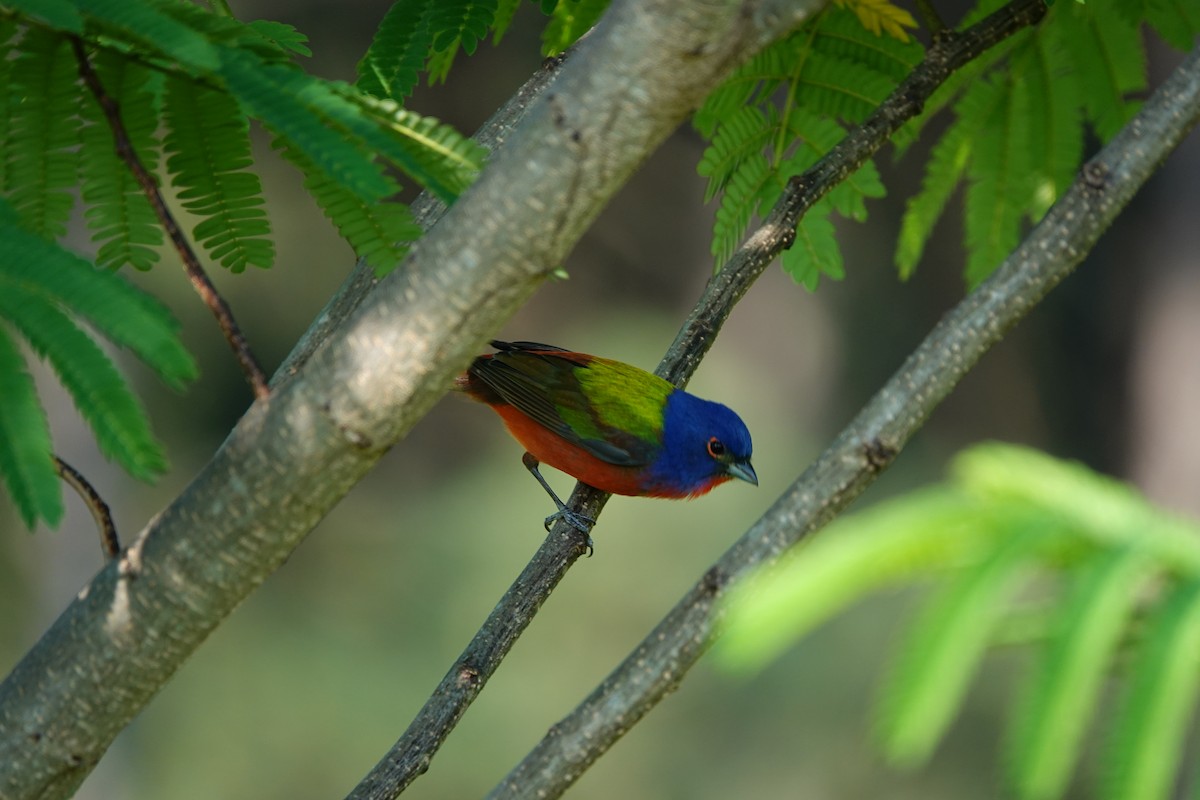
{"x": 608, "y": 424}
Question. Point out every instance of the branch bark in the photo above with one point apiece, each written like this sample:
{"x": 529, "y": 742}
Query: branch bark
{"x": 872, "y": 440}
{"x": 298, "y": 451}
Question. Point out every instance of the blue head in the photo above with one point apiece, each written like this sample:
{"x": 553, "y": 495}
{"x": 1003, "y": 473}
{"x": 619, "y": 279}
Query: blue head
{"x": 703, "y": 444}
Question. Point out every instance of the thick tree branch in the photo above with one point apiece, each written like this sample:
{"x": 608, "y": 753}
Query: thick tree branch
{"x": 191, "y": 263}
{"x": 1051, "y": 251}
{"x": 411, "y": 754}
{"x": 297, "y": 452}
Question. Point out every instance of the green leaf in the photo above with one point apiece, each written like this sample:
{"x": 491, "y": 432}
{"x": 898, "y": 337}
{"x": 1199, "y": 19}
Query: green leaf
{"x": 61, "y": 15}
{"x": 884, "y": 546}
{"x": 944, "y": 647}
{"x": 738, "y": 204}
{"x": 1001, "y": 185}
{"x": 1059, "y": 698}
{"x": 208, "y": 150}
{"x": 815, "y": 251}
{"x": 379, "y": 232}
{"x": 1109, "y": 61}
{"x": 119, "y": 311}
{"x": 41, "y": 152}
{"x": 119, "y": 215}
{"x": 1150, "y": 728}
{"x": 100, "y": 393}
{"x": 283, "y": 99}
{"x": 454, "y": 24}
{"x": 569, "y": 20}
{"x": 1056, "y": 124}
{"x": 25, "y": 450}
{"x": 392, "y": 64}
{"x": 505, "y": 11}
{"x": 281, "y": 35}
{"x": 151, "y": 26}
{"x": 738, "y": 137}
{"x": 431, "y": 152}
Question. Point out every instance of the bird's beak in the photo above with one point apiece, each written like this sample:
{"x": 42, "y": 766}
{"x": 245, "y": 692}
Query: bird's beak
{"x": 743, "y": 470}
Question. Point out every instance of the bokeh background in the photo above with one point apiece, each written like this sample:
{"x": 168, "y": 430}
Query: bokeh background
{"x": 315, "y": 676}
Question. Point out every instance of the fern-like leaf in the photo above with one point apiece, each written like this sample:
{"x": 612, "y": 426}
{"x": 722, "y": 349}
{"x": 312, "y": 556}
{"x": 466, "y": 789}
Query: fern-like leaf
{"x": 119, "y": 215}
{"x": 41, "y": 152}
{"x": 26, "y": 461}
{"x": 840, "y": 33}
{"x": 61, "y": 15}
{"x": 1149, "y": 731}
{"x": 738, "y": 205}
{"x": 944, "y": 647}
{"x": 1056, "y": 125}
{"x": 116, "y": 309}
{"x": 815, "y": 251}
{"x": 505, "y": 11}
{"x": 880, "y": 17}
{"x": 208, "y": 157}
{"x": 1109, "y": 59}
{"x": 878, "y": 548}
{"x": 150, "y": 24}
{"x": 101, "y": 395}
{"x": 569, "y": 20}
{"x": 379, "y": 232}
{"x": 455, "y": 24}
{"x": 739, "y": 137}
{"x": 1176, "y": 21}
{"x": 431, "y": 152}
{"x": 269, "y": 92}
{"x": 1060, "y": 696}
{"x": 1001, "y": 184}
{"x": 392, "y": 64}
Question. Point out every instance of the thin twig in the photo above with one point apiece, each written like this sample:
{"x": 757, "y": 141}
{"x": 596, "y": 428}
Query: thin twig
{"x": 109, "y": 541}
{"x": 191, "y": 264}
{"x": 411, "y": 755}
{"x": 1055, "y": 247}
{"x": 932, "y": 19}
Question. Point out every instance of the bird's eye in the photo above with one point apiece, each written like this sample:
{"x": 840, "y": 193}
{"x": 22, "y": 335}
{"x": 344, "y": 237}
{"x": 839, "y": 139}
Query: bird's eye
{"x": 716, "y": 448}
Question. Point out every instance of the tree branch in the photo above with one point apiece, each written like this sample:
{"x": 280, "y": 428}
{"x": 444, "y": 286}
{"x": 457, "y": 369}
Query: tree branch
{"x": 293, "y": 455}
{"x": 462, "y": 683}
{"x": 191, "y": 263}
{"x": 109, "y": 542}
{"x": 1051, "y": 251}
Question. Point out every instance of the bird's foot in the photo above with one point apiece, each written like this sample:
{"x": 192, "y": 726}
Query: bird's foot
{"x": 580, "y": 522}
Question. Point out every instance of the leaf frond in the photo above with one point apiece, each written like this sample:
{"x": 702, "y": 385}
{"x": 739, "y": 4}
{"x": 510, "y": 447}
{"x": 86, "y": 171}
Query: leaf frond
{"x": 392, "y": 64}
{"x": 25, "y": 451}
{"x": 41, "y": 150}
{"x": 208, "y": 156}
{"x": 118, "y": 214}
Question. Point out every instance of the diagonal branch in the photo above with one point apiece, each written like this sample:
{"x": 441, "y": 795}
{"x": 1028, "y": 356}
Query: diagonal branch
{"x": 463, "y": 682}
{"x": 191, "y": 263}
{"x": 873, "y": 439}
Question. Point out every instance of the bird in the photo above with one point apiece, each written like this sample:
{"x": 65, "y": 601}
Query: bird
{"x": 608, "y": 424}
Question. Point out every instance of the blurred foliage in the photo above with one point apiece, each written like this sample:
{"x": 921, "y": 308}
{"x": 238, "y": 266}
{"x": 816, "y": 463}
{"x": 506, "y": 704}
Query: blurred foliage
{"x": 1026, "y": 550}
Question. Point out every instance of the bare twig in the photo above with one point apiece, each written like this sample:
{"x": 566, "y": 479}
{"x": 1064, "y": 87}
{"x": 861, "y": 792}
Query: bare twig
{"x": 1054, "y": 248}
{"x": 191, "y": 264}
{"x": 109, "y": 542}
{"x": 411, "y": 755}
{"x": 932, "y": 19}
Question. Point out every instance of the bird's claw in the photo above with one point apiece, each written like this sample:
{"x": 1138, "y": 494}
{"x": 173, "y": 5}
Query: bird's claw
{"x": 580, "y": 522}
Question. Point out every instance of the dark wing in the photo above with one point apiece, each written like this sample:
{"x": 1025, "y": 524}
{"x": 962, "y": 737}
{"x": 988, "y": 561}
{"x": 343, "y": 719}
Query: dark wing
{"x": 540, "y": 381}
